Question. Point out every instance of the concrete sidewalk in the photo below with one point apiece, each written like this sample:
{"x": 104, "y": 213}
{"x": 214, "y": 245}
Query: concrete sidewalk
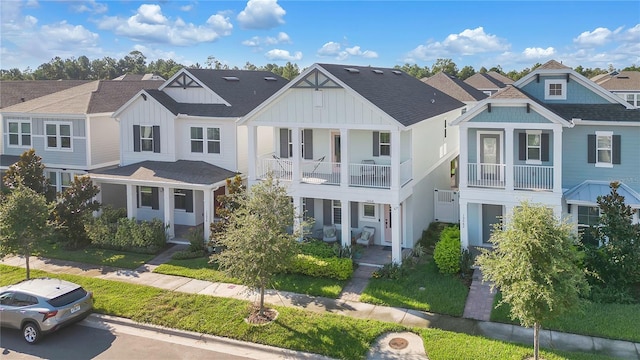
{"x": 407, "y": 317}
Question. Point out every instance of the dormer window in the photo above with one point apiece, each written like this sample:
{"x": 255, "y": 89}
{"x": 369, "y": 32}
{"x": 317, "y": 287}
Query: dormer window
{"x": 555, "y": 89}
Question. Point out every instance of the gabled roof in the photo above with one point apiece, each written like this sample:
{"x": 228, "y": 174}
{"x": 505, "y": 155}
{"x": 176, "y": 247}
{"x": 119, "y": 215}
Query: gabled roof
{"x": 400, "y": 95}
{"x": 552, "y": 64}
{"x": 90, "y": 98}
{"x": 205, "y": 110}
{"x": 596, "y": 112}
{"x": 587, "y": 193}
{"x": 19, "y": 91}
{"x": 184, "y": 172}
{"x": 503, "y": 79}
{"x": 454, "y": 87}
{"x": 482, "y": 81}
{"x": 624, "y": 80}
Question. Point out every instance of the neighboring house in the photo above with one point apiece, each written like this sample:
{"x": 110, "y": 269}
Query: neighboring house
{"x": 456, "y": 88}
{"x": 554, "y": 137}
{"x": 358, "y": 146}
{"x": 181, "y": 142}
{"x": 489, "y": 83}
{"x": 625, "y": 84}
{"x": 71, "y": 130}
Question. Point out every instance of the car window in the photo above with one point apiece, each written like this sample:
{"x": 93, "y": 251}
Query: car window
{"x": 20, "y": 299}
{"x": 5, "y": 298}
{"x": 68, "y": 298}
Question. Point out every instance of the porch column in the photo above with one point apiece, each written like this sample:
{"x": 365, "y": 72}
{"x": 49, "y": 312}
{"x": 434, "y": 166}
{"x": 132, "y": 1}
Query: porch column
{"x": 296, "y": 156}
{"x": 395, "y": 160}
{"x": 557, "y": 159}
{"x": 464, "y": 227}
{"x": 396, "y": 234}
{"x": 252, "y": 155}
{"x": 131, "y": 201}
{"x": 346, "y": 222}
{"x": 345, "y": 170}
{"x": 168, "y": 211}
{"x": 297, "y": 217}
{"x": 463, "y": 163}
{"x": 209, "y": 212}
{"x": 508, "y": 161}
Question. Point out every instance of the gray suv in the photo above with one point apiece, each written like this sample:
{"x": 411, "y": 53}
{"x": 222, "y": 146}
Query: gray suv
{"x": 41, "y": 306}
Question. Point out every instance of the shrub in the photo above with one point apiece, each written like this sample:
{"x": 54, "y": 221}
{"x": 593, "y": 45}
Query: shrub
{"x": 392, "y": 271}
{"x": 447, "y": 253}
{"x": 334, "y": 268}
{"x": 146, "y": 237}
{"x": 431, "y": 235}
{"x": 102, "y": 229}
{"x": 317, "y": 248}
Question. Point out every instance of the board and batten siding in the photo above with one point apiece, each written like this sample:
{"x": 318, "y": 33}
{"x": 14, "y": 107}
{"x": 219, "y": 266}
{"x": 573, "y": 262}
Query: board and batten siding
{"x": 227, "y": 157}
{"x": 428, "y": 143}
{"x": 194, "y": 95}
{"x": 511, "y": 114}
{"x": 576, "y": 93}
{"x": 339, "y": 108}
{"x": 576, "y": 168}
{"x": 147, "y": 113}
{"x": 105, "y": 140}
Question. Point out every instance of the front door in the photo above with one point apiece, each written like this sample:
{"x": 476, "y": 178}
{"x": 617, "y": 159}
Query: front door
{"x": 335, "y": 151}
{"x": 491, "y": 214}
{"x": 490, "y": 160}
{"x": 387, "y": 223}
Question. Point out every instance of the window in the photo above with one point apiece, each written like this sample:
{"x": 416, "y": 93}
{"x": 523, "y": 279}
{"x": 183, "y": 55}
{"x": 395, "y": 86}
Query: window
{"x": 385, "y": 144}
{"x": 65, "y": 181}
{"x": 290, "y": 144}
{"x": 534, "y": 146}
{"x": 604, "y": 148}
{"x": 19, "y": 133}
{"x": 555, "y": 89}
{"x": 212, "y": 141}
{"x": 445, "y": 129}
{"x": 633, "y": 99}
{"x": 53, "y": 185}
{"x": 197, "y": 140}
{"x": 180, "y": 199}
{"x": 302, "y": 143}
{"x": 369, "y": 211}
{"x": 58, "y": 136}
{"x": 58, "y": 182}
{"x": 588, "y": 216}
{"x": 146, "y": 196}
{"x": 146, "y": 138}
{"x": 336, "y": 210}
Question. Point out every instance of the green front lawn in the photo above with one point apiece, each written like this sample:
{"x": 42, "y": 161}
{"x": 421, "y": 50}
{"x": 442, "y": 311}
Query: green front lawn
{"x": 443, "y": 294}
{"x": 613, "y": 321}
{"x": 327, "y": 334}
{"x": 95, "y": 256}
{"x": 201, "y": 269}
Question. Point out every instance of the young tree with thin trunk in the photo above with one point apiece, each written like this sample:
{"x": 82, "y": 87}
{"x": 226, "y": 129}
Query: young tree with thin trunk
{"x": 23, "y": 222}
{"x": 257, "y": 245}
{"x": 535, "y": 266}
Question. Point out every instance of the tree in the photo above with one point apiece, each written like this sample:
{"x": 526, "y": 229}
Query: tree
{"x": 534, "y": 264}
{"x": 257, "y": 245}
{"x": 466, "y": 72}
{"x": 415, "y": 71}
{"x": 73, "y": 209}
{"x": 23, "y": 222}
{"x": 227, "y": 205}
{"x": 446, "y": 65}
{"x": 29, "y": 171}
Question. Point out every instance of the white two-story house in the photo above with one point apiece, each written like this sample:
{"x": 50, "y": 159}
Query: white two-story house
{"x": 554, "y": 137}
{"x": 180, "y": 142}
{"x": 70, "y": 129}
{"x": 358, "y": 146}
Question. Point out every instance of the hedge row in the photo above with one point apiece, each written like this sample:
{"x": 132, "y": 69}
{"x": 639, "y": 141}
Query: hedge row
{"x": 334, "y": 268}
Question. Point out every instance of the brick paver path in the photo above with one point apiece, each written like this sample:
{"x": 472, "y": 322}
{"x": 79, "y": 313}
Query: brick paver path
{"x": 359, "y": 281}
{"x": 480, "y": 299}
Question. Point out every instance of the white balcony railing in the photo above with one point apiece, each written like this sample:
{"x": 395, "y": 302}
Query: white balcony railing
{"x": 280, "y": 168}
{"x": 314, "y": 172}
{"x": 525, "y": 177}
{"x": 370, "y": 175}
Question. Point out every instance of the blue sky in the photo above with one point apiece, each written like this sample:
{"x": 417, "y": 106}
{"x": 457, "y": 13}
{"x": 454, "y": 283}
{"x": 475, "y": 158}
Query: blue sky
{"x": 512, "y": 34}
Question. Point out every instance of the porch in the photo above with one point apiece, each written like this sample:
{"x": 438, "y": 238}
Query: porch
{"x": 523, "y": 177}
{"x": 377, "y": 255}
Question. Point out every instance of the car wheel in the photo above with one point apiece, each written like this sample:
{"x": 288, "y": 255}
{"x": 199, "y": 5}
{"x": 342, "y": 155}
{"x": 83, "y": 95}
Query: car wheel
{"x": 31, "y": 333}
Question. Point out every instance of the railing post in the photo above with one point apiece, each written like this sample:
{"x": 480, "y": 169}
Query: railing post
{"x": 508, "y": 163}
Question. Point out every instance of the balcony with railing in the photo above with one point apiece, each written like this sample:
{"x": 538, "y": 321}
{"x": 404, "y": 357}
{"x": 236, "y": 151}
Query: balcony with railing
{"x": 525, "y": 177}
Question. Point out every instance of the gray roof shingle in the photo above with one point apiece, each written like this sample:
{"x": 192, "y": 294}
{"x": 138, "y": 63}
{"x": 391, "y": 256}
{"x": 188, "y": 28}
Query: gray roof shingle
{"x": 455, "y": 87}
{"x": 14, "y": 92}
{"x": 401, "y": 96}
{"x": 601, "y": 112}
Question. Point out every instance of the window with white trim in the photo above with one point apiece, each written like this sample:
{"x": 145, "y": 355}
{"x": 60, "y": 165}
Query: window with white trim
{"x": 19, "y": 133}
{"x": 58, "y": 135}
{"x": 369, "y": 211}
{"x": 59, "y": 181}
{"x": 534, "y": 146}
{"x": 180, "y": 199}
{"x": 290, "y": 143}
{"x": 631, "y": 98}
{"x": 145, "y": 196}
{"x": 604, "y": 147}
{"x": 146, "y": 138}
{"x": 555, "y": 89}
{"x": 385, "y": 144}
{"x": 212, "y": 140}
{"x": 336, "y": 211}
{"x": 588, "y": 216}
{"x": 302, "y": 143}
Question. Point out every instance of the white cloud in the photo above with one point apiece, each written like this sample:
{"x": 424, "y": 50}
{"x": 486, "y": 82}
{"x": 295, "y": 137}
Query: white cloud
{"x": 186, "y": 8}
{"x": 60, "y": 35}
{"x": 468, "y": 42}
{"x": 149, "y": 24}
{"x": 278, "y": 54}
{"x": 261, "y": 14}
{"x": 537, "y": 53}
{"x": 256, "y": 41}
{"x": 90, "y": 6}
{"x": 598, "y": 37}
{"x": 334, "y": 49}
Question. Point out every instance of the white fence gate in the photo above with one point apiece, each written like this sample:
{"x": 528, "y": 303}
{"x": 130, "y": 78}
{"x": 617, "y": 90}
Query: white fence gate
{"x": 446, "y": 206}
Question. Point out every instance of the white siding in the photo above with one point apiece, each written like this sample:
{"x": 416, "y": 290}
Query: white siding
{"x": 194, "y": 95}
{"x": 104, "y": 140}
{"x": 429, "y": 143}
{"x": 339, "y": 108}
{"x": 265, "y": 144}
{"x": 227, "y": 157}
{"x": 148, "y": 113}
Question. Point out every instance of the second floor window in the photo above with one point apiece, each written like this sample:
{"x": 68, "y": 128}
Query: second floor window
{"x": 212, "y": 140}
{"x": 603, "y": 148}
{"x": 533, "y": 146}
{"x": 385, "y": 144}
{"x": 19, "y": 133}
{"x": 146, "y": 138}
{"x": 58, "y": 136}
{"x": 555, "y": 89}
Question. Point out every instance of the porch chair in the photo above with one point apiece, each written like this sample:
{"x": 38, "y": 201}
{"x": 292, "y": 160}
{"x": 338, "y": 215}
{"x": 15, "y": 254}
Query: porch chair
{"x": 366, "y": 236}
{"x": 329, "y": 233}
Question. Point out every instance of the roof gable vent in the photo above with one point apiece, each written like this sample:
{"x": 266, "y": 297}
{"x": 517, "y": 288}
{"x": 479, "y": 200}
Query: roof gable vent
{"x": 397, "y": 72}
{"x": 352, "y": 70}
{"x": 378, "y": 71}
{"x": 231, "y": 78}
{"x": 270, "y": 78}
